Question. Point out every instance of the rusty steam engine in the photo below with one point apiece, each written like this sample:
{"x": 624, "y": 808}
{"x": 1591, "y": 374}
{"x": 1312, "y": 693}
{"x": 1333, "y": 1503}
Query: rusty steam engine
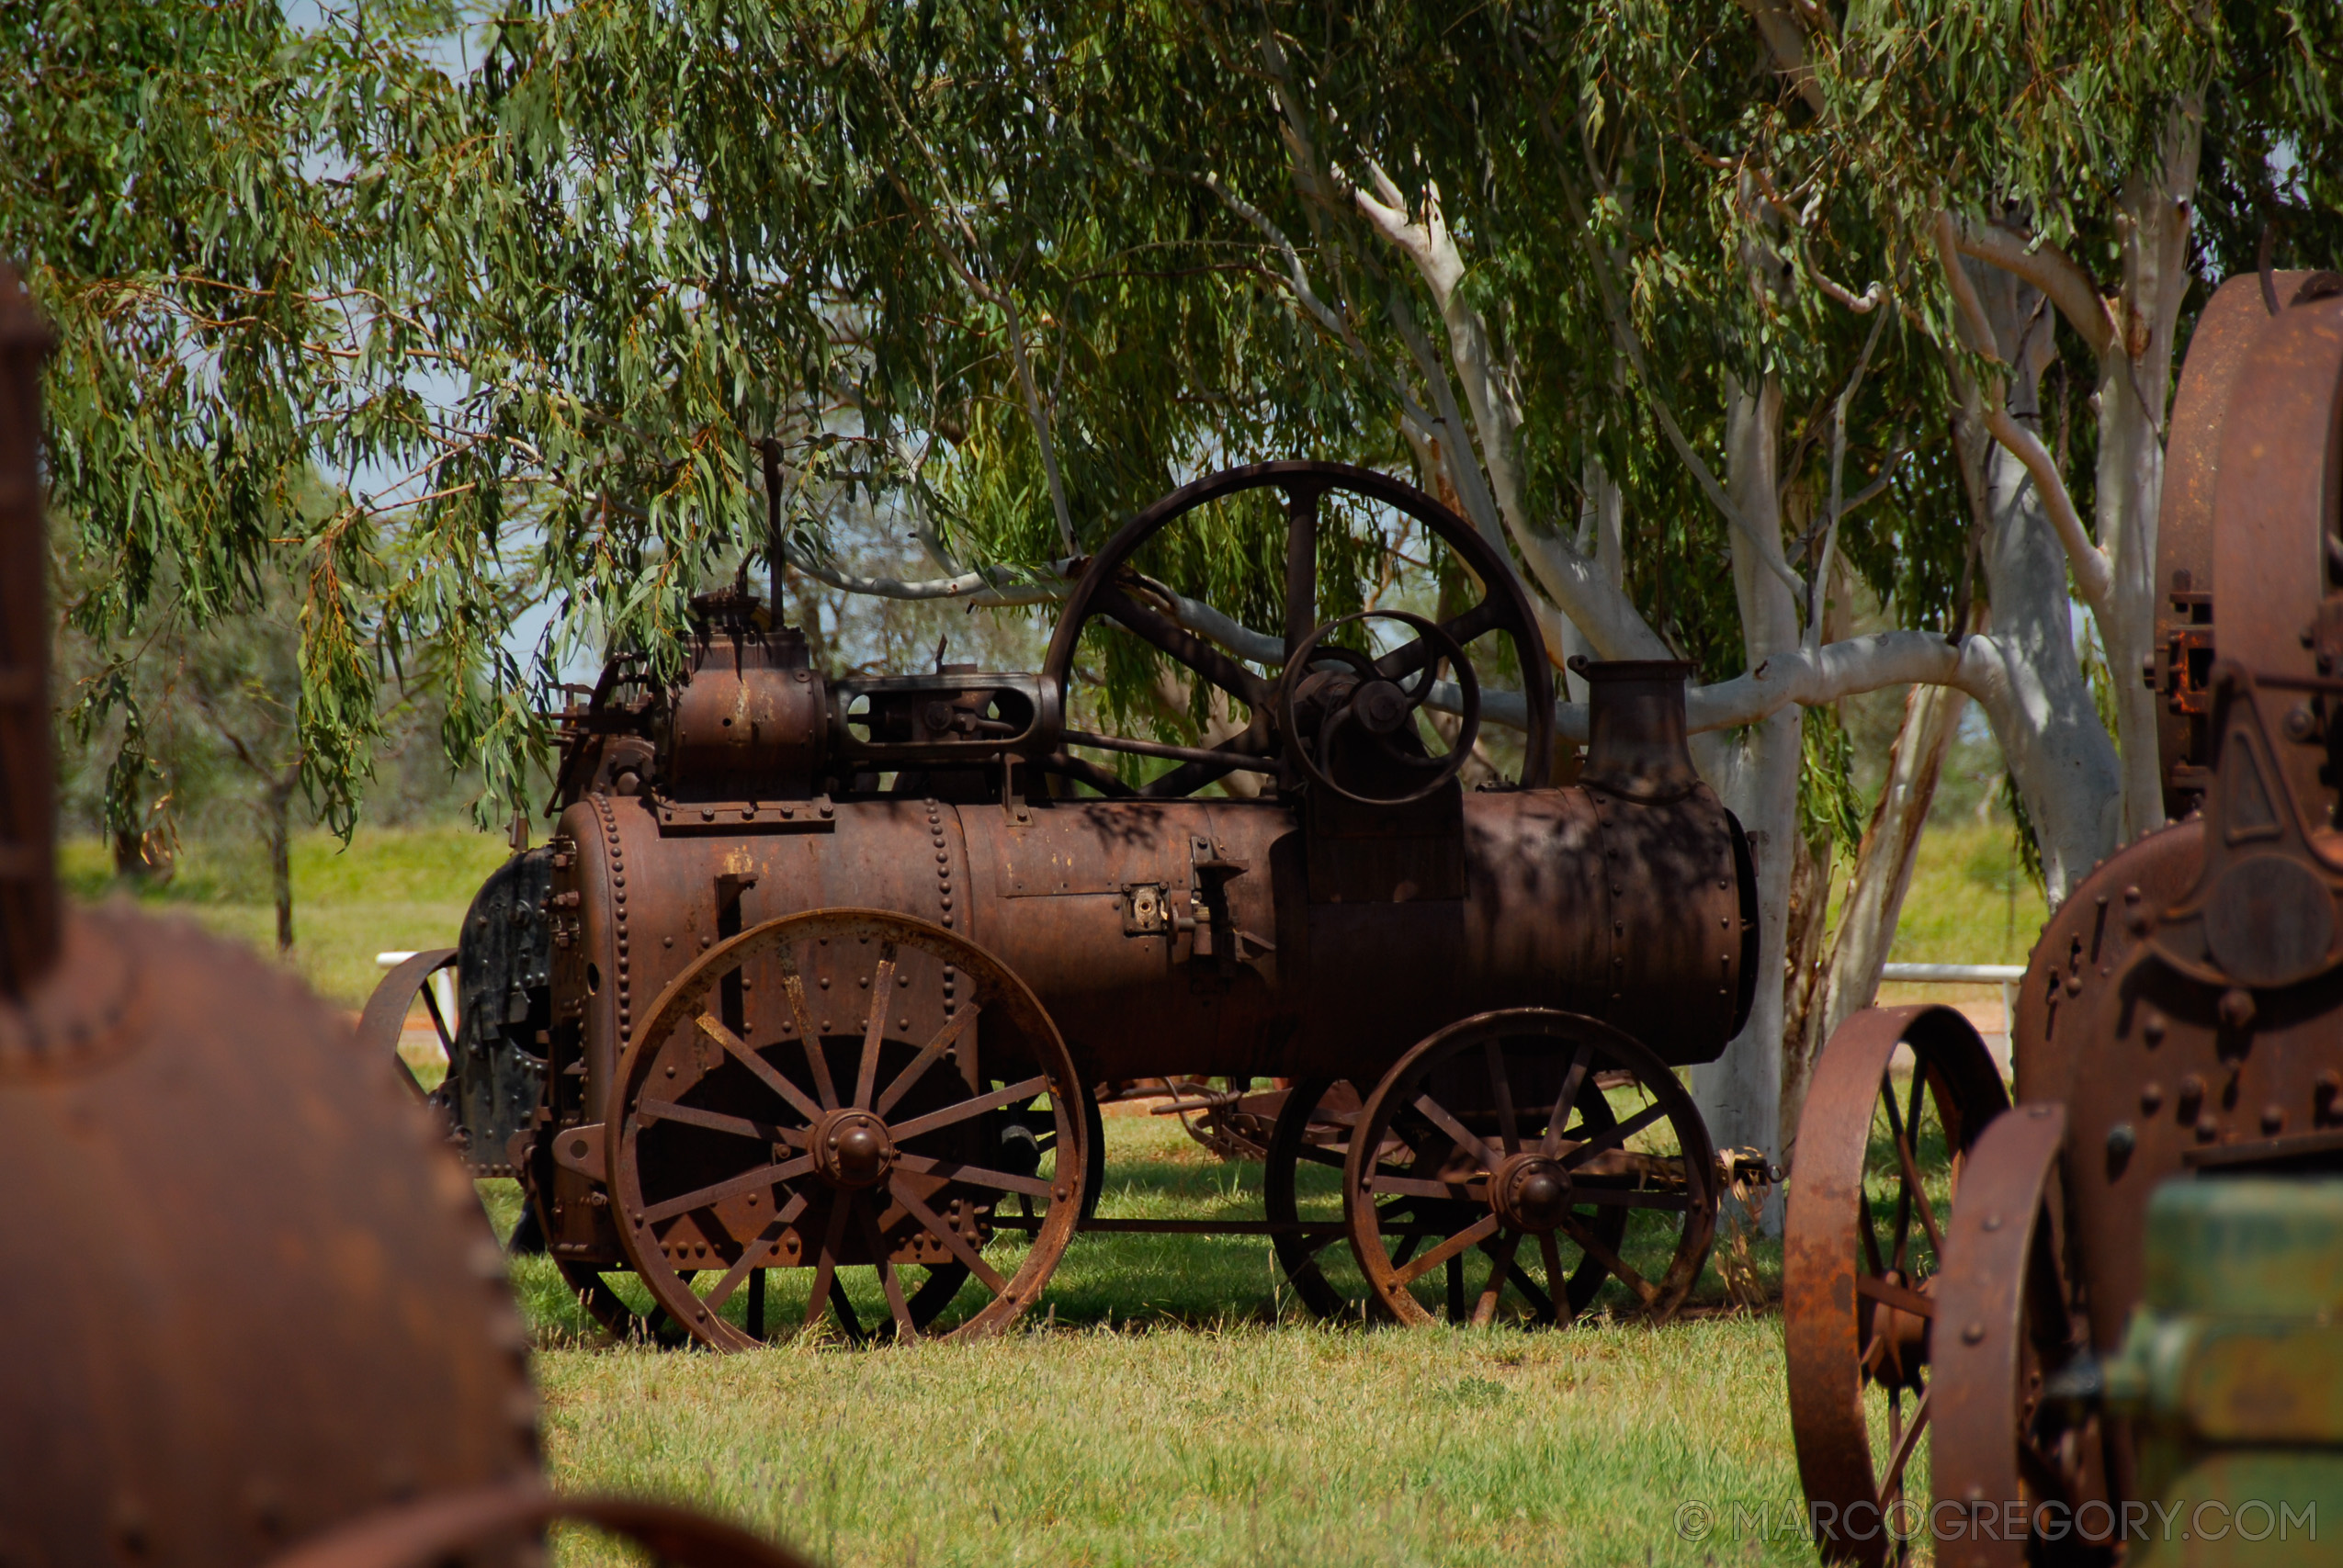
{"x": 822, "y": 974}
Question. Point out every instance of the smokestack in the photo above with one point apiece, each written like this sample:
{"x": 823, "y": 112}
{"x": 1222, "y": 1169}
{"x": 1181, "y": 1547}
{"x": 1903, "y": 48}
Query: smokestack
{"x": 1636, "y": 728}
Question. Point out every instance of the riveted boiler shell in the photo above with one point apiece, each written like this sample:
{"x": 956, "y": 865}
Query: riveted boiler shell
{"x": 250, "y": 1293}
{"x": 1627, "y": 912}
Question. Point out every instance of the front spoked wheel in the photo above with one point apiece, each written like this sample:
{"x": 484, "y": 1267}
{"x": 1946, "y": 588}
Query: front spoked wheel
{"x": 846, "y": 1117}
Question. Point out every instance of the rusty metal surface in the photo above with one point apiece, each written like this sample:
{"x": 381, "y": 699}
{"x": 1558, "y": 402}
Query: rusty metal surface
{"x": 1858, "y": 1305}
{"x": 285, "y": 1307}
{"x": 2021, "y": 1464}
{"x": 2084, "y": 943}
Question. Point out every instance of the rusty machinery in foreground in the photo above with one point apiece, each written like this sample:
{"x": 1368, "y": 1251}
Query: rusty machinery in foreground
{"x": 2183, "y": 1015}
{"x": 816, "y": 975}
{"x": 252, "y": 1311}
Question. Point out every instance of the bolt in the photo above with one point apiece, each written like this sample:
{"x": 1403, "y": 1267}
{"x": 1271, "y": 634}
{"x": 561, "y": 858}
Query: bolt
{"x": 2274, "y": 1118}
{"x": 1973, "y": 1334}
{"x": 2120, "y": 1139}
{"x": 2237, "y": 1006}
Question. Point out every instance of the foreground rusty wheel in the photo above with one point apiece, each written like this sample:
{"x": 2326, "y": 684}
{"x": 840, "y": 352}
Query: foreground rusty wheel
{"x": 1492, "y": 1136}
{"x": 2004, "y": 1443}
{"x": 384, "y": 1023}
{"x": 1877, "y": 1165}
{"x": 894, "y": 1101}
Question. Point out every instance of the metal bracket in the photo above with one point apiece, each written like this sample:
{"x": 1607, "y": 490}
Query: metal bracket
{"x": 580, "y": 1148}
{"x": 816, "y": 815}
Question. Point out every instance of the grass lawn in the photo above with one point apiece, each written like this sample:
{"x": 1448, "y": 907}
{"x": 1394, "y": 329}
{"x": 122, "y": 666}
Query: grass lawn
{"x": 1172, "y": 1406}
{"x": 1169, "y": 1404}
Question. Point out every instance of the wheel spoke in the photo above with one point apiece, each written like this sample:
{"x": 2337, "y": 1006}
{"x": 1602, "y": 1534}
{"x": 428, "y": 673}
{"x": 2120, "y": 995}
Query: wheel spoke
{"x": 1628, "y": 1198}
{"x": 976, "y": 1175}
{"x": 1557, "y": 1279}
{"x": 825, "y": 1267}
{"x": 794, "y": 985}
{"x": 890, "y": 1280}
{"x": 930, "y": 1054}
{"x": 1026, "y": 1089}
{"x": 1557, "y": 1125}
{"x": 752, "y": 1259}
{"x": 766, "y": 1072}
{"x": 1913, "y": 1194}
{"x": 650, "y": 1111}
{"x": 1501, "y": 1265}
{"x": 1503, "y": 1084}
{"x": 1460, "y": 1191}
{"x": 1618, "y": 1132}
{"x": 1438, "y": 1115}
{"x": 1892, "y": 1484}
{"x": 1478, "y": 1230}
{"x": 1596, "y": 1249}
{"x": 747, "y": 1181}
{"x": 882, "y": 984}
{"x": 954, "y": 1242}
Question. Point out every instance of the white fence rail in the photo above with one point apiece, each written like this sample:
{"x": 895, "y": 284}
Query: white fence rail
{"x": 2005, "y": 976}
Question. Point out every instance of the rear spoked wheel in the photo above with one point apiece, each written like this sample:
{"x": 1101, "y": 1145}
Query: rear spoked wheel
{"x": 847, "y": 1118}
{"x": 1490, "y": 1178}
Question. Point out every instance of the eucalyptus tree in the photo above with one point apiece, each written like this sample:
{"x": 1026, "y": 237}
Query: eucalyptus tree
{"x": 1654, "y": 294}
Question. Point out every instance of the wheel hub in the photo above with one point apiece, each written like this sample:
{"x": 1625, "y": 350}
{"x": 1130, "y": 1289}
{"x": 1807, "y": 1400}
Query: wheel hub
{"x": 851, "y": 1148}
{"x": 1531, "y": 1192}
{"x": 1381, "y": 707}
{"x": 1903, "y": 1338}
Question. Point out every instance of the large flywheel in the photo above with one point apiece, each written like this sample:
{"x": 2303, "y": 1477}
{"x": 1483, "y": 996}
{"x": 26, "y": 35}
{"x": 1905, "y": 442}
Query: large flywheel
{"x": 1324, "y": 702}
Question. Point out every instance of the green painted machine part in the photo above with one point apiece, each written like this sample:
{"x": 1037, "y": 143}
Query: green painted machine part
{"x": 2231, "y": 1375}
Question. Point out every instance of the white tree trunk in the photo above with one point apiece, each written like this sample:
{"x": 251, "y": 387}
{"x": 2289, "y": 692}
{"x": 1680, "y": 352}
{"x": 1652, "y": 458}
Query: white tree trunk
{"x": 2135, "y": 380}
{"x": 1740, "y": 1094}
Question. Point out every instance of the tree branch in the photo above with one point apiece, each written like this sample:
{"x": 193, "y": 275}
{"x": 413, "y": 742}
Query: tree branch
{"x": 2048, "y": 268}
{"x": 2094, "y": 576}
